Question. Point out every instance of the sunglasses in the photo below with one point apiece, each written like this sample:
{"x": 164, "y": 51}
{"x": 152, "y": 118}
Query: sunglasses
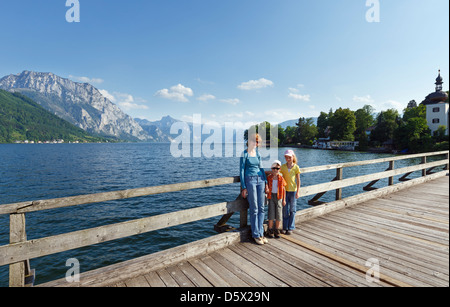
{"x": 277, "y": 168}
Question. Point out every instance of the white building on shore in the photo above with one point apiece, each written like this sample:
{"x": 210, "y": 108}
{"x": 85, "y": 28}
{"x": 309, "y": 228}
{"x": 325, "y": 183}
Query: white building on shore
{"x": 437, "y": 107}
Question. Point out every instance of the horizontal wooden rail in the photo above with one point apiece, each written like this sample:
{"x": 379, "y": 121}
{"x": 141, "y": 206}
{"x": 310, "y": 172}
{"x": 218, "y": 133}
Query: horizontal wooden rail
{"x": 314, "y": 169}
{"x": 339, "y": 184}
{"x": 39, "y": 205}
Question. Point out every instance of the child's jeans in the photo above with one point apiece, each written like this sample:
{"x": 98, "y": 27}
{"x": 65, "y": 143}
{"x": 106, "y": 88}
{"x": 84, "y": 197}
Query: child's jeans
{"x": 289, "y": 211}
{"x": 256, "y": 187}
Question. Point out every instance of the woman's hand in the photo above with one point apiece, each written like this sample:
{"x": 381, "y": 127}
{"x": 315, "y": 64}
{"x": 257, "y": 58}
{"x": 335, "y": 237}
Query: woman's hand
{"x": 244, "y": 193}
{"x": 297, "y": 195}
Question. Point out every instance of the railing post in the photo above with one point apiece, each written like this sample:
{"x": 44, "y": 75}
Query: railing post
{"x": 339, "y": 176}
{"x": 391, "y": 168}
{"x": 447, "y": 165}
{"x": 424, "y": 161}
{"x": 17, "y": 233}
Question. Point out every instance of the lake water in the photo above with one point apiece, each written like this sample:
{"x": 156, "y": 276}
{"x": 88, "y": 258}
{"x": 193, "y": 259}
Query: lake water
{"x": 34, "y": 172}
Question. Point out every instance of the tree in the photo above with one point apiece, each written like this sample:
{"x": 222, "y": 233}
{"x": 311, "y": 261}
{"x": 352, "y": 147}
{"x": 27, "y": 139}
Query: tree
{"x": 414, "y": 134}
{"x": 306, "y": 131}
{"x": 270, "y": 133}
{"x": 364, "y": 119}
{"x": 322, "y": 124}
{"x": 343, "y": 125}
{"x": 291, "y": 135}
{"x": 387, "y": 123}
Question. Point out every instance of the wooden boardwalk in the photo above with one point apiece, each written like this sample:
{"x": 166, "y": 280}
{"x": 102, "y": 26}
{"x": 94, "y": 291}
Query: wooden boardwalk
{"x": 405, "y": 234}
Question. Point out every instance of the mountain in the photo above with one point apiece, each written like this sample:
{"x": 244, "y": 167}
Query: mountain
{"x": 159, "y": 130}
{"x": 23, "y": 119}
{"x": 293, "y": 123}
{"x": 79, "y": 103}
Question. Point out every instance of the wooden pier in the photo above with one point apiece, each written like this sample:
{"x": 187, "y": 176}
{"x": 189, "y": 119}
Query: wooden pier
{"x": 396, "y": 235}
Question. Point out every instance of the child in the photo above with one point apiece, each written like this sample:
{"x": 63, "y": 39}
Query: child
{"x": 277, "y": 199}
{"x": 291, "y": 173}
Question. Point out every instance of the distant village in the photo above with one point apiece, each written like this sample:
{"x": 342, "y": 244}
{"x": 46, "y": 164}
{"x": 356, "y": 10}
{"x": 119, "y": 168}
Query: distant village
{"x": 45, "y": 142}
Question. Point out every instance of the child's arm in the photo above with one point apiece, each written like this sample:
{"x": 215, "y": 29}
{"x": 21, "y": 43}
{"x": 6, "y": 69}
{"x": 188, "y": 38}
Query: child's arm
{"x": 298, "y": 186}
{"x": 284, "y": 190}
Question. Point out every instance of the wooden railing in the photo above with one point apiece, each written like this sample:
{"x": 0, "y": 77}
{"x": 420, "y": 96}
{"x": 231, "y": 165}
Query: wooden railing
{"x": 18, "y": 252}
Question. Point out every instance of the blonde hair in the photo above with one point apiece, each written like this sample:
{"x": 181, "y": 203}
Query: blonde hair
{"x": 256, "y": 137}
{"x": 294, "y": 158}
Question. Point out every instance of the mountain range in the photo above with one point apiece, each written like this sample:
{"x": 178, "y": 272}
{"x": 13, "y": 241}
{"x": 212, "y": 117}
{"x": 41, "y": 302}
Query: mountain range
{"x": 78, "y": 103}
{"x": 83, "y": 105}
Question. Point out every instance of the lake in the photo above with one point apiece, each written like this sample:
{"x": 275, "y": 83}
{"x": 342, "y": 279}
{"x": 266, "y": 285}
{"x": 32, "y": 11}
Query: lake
{"x": 43, "y": 171}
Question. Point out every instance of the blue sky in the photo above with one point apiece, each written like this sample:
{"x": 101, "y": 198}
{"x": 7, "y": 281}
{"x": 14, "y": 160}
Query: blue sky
{"x": 234, "y": 60}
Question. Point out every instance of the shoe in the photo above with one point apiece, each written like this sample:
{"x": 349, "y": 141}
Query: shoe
{"x": 270, "y": 233}
{"x": 258, "y": 241}
{"x": 265, "y": 240}
{"x": 288, "y": 232}
{"x": 277, "y": 233}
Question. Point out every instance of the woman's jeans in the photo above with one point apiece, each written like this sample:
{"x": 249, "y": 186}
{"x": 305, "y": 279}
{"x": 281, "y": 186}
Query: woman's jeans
{"x": 256, "y": 187}
{"x": 289, "y": 211}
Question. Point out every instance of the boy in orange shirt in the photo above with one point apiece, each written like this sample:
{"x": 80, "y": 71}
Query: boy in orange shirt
{"x": 277, "y": 199}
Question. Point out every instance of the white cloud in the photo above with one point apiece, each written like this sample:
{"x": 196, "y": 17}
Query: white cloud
{"x": 363, "y": 99}
{"x": 392, "y": 104}
{"x": 294, "y": 93}
{"x": 299, "y": 97}
{"x": 87, "y": 80}
{"x": 233, "y": 101}
{"x": 176, "y": 92}
{"x": 206, "y": 97}
{"x": 125, "y": 101}
{"x": 107, "y": 95}
{"x": 255, "y": 84}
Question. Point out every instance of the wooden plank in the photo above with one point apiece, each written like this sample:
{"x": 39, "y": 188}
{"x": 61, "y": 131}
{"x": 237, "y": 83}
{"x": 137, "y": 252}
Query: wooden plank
{"x": 222, "y": 271}
{"x": 390, "y": 245}
{"x": 142, "y": 265}
{"x": 303, "y": 276}
{"x": 292, "y": 277}
{"x": 249, "y": 280}
{"x": 346, "y": 262}
{"x": 154, "y": 280}
{"x": 358, "y": 258}
{"x": 415, "y": 231}
{"x": 167, "y": 278}
{"x": 17, "y": 234}
{"x": 392, "y": 260}
{"x": 392, "y": 216}
{"x": 339, "y": 271}
{"x": 179, "y": 276}
{"x": 255, "y": 272}
{"x": 194, "y": 276}
{"x": 139, "y": 281}
{"x": 208, "y": 273}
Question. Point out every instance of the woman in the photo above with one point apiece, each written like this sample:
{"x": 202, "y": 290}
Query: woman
{"x": 254, "y": 186}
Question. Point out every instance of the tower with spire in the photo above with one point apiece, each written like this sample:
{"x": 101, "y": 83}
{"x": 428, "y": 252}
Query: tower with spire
{"x": 437, "y": 107}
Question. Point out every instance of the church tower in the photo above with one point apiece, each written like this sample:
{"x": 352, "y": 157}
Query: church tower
{"x": 437, "y": 107}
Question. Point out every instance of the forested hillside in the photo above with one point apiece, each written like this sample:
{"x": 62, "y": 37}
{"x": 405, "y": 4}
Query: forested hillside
{"x": 23, "y": 119}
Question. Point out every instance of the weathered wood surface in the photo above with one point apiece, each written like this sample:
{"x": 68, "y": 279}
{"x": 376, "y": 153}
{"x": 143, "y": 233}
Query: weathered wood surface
{"x": 407, "y": 232}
